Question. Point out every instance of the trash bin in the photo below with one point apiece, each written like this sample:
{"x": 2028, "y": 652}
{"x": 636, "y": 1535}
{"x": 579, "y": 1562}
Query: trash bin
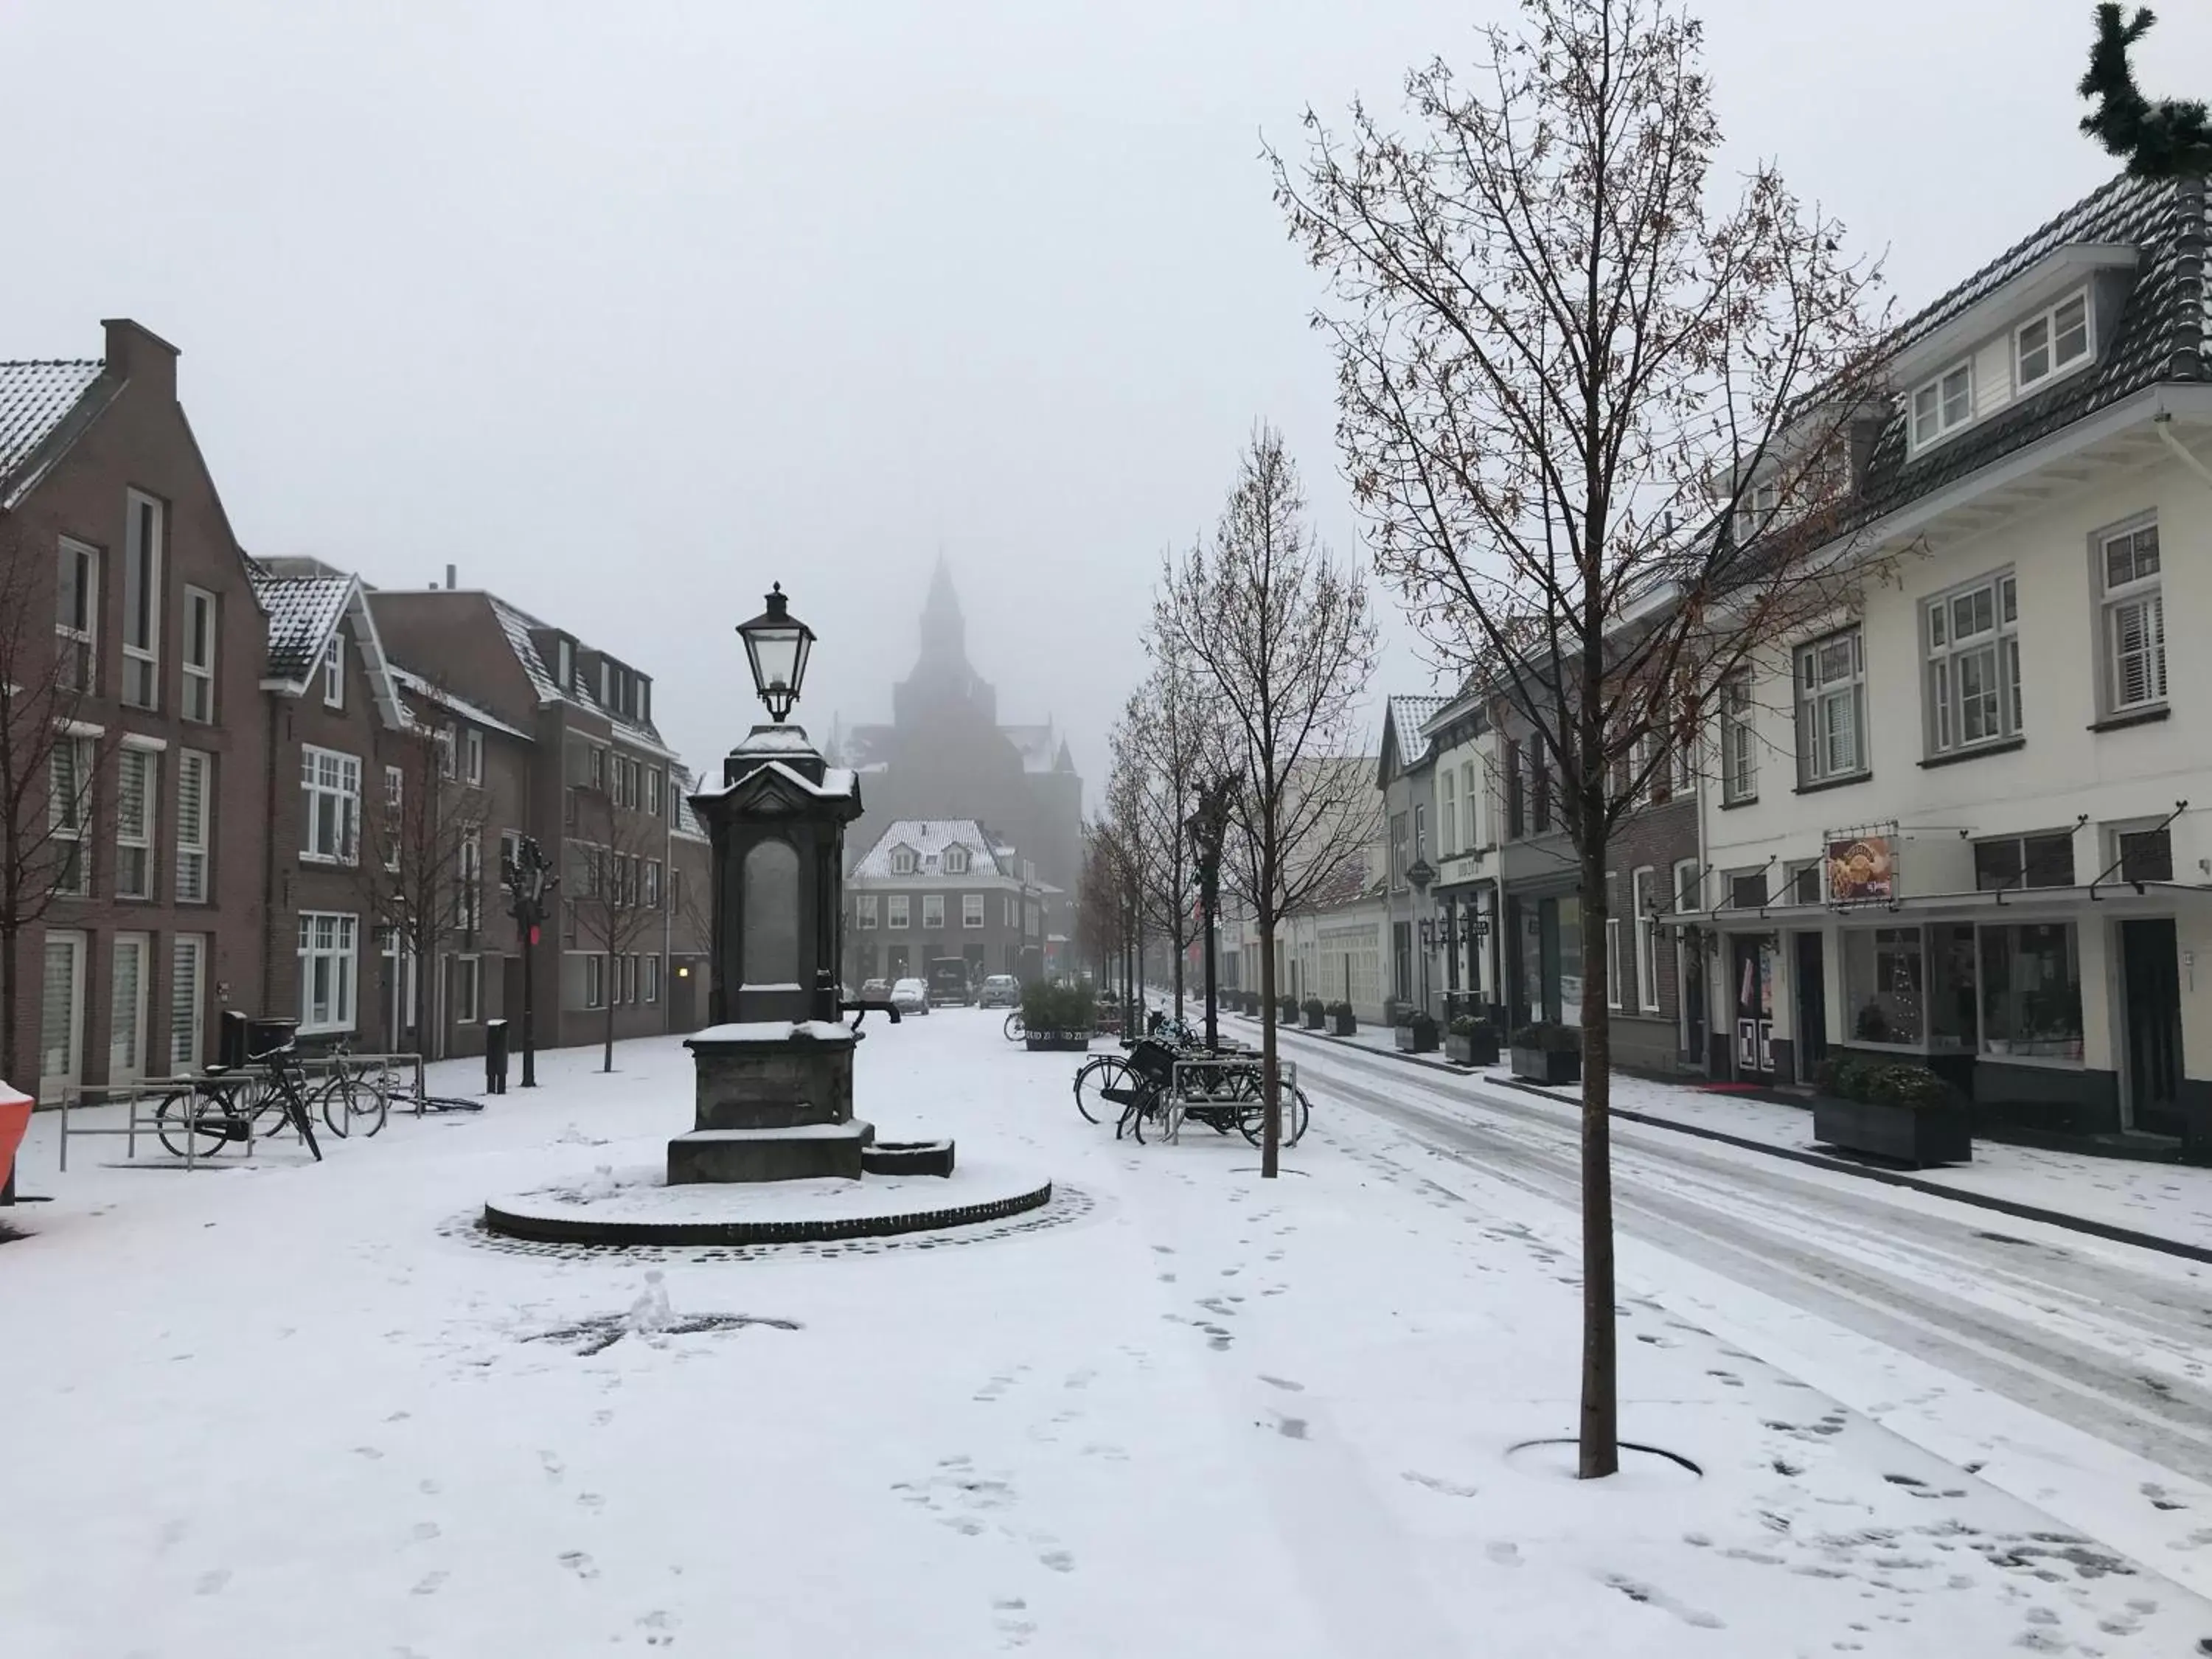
{"x": 264, "y": 1033}
{"x": 230, "y": 1042}
{"x": 495, "y": 1056}
{"x": 15, "y": 1119}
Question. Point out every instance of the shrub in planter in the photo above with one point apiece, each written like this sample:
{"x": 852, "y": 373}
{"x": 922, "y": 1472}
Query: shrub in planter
{"x": 1342, "y": 1022}
{"x": 1547, "y": 1052}
{"x": 1315, "y": 1013}
{"x": 1417, "y": 1032}
{"x": 1058, "y": 1017}
{"x": 1287, "y": 1010}
{"x": 1471, "y": 1041}
{"x": 1892, "y": 1109}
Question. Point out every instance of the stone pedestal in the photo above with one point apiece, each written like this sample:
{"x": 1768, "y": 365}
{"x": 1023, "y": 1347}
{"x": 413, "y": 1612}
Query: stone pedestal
{"x": 774, "y": 1103}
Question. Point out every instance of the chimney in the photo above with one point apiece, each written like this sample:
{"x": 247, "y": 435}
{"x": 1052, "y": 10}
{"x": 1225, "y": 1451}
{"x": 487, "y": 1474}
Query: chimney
{"x": 137, "y": 354}
{"x": 452, "y": 581}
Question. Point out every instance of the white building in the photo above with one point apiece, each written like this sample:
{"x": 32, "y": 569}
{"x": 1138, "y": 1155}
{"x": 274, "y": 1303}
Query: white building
{"x": 1973, "y": 821}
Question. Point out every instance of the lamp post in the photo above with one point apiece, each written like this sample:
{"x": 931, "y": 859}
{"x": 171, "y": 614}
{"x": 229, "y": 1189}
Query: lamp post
{"x": 1421, "y": 875}
{"x": 1208, "y": 826}
{"x": 529, "y": 879}
{"x": 777, "y": 646}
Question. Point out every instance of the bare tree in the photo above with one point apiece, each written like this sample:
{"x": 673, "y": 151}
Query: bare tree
{"x": 51, "y": 754}
{"x": 609, "y": 852}
{"x": 1101, "y": 913}
{"x": 422, "y": 864}
{"x": 1174, "y": 741}
{"x": 1599, "y": 425}
{"x": 1283, "y": 640}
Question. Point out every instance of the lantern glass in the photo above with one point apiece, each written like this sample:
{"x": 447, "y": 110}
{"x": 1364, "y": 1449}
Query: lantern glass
{"x": 777, "y": 646}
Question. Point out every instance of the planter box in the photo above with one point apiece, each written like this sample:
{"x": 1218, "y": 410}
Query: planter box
{"x": 1917, "y": 1135}
{"x": 1343, "y": 1025}
{"x": 1417, "y": 1039}
{"x": 1315, "y": 1020}
{"x": 1057, "y": 1043}
{"x": 1549, "y": 1066}
{"x": 1481, "y": 1049}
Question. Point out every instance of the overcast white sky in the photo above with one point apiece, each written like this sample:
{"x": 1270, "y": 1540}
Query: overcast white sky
{"x": 628, "y": 310}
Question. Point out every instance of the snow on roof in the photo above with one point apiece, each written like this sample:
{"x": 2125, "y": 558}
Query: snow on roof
{"x": 928, "y": 839}
{"x": 302, "y": 612}
{"x": 36, "y": 398}
{"x": 445, "y": 699}
{"x": 518, "y": 625}
{"x": 835, "y": 781}
{"x": 1409, "y": 715}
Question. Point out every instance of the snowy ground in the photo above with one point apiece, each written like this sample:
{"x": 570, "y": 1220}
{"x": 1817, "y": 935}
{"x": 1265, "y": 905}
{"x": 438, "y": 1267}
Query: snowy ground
{"x": 308, "y": 1410}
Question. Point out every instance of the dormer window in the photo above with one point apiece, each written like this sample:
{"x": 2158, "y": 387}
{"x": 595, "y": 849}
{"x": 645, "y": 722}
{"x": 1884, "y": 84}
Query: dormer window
{"x": 2049, "y": 344}
{"x": 1756, "y": 510}
{"x": 902, "y": 860}
{"x": 956, "y": 862}
{"x": 1943, "y": 406}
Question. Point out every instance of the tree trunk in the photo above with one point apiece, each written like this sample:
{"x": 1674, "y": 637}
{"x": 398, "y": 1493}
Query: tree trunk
{"x": 606, "y": 984}
{"x": 1600, "y": 1450}
{"x": 1271, "y": 1135}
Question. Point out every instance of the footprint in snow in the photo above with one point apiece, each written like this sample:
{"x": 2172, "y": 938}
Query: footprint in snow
{"x": 1503, "y": 1553}
{"x": 552, "y": 1465}
{"x": 1437, "y": 1483}
{"x": 579, "y": 1562}
{"x": 429, "y": 1581}
{"x": 211, "y": 1582}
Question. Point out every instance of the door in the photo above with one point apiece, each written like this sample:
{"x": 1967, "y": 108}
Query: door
{"x": 683, "y": 1009}
{"x": 188, "y": 1001}
{"x": 126, "y": 1029}
{"x": 2150, "y": 967}
{"x": 1690, "y": 958}
{"x": 61, "y": 1015}
{"x": 1812, "y": 1006}
{"x": 1755, "y": 1011}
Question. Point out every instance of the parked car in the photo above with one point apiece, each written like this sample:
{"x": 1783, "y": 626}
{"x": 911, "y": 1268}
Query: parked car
{"x": 910, "y": 996}
{"x": 948, "y": 983}
{"x": 1001, "y": 991}
{"x": 876, "y": 990}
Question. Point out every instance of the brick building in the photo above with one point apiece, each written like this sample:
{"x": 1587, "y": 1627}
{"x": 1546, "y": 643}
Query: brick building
{"x": 933, "y": 888}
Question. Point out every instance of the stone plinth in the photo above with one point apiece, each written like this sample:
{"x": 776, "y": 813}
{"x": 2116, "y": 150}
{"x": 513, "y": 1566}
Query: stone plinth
{"x": 774, "y": 1103}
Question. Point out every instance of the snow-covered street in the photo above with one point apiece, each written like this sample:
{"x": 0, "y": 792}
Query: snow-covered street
{"x": 309, "y": 1410}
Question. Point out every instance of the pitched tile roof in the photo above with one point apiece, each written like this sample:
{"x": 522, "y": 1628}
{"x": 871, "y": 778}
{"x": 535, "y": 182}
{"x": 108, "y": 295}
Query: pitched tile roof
{"x": 1408, "y": 716}
{"x": 430, "y": 692}
{"x": 518, "y": 625}
{"x": 36, "y": 400}
{"x": 929, "y": 838}
{"x": 302, "y": 612}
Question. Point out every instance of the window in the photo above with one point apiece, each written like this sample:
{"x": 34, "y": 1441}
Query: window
{"x": 897, "y": 910}
{"x": 77, "y": 615}
{"x": 1470, "y": 825}
{"x": 1613, "y": 964}
{"x": 2056, "y": 340}
{"x": 2024, "y": 861}
{"x": 1688, "y": 886}
{"x": 1539, "y": 789}
{"x": 1801, "y": 883}
{"x": 653, "y": 979}
{"x": 194, "y": 774}
{"x": 932, "y": 910}
{"x": 652, "y": 883}
{"x": 1644, "y": 894}
{"x": 1748, "y": 892}
{"x": 2134, "y": 617}
{"x": 142, "y": 600}
{"x": 137, "y": 772}
{"x": 629, "y": 967}
{"x": 1755, "y": 509}
{"x": 971, "y": 909}
{"x": 1830, "y": 709}
{"x": 864, "y": 910}
{"x": 69, "y": 805}
{"x": 468, "y": 882}
{"x": 1400, "y": 862}
{"x": 472, "y": 756}
{"x": 1943, "y": 406}
{"x": 199, "y": 656}
{"x": 1683, "y": 770}
{"x": 1515, "y": 815}
{"x": 1420, "y": 831}
{"x": 468, "y": 990}
{"x": 395, "y": 786}
{"x": 1013, "y": 919}
{"x": 2032, "y": 991}
{"x": 334, "y": 671}
{"x": 956, "y": 861}
{"x": 2146, "y": 854}
{"x": 1973, "y": 664}
{"x": 1448, "y": 816}
{"x": 565, "y": 669}
{"x": 1885, "y": 985}
{"x": 330, "y": 818}
{"x": 1738, "y": 743}
{"x": 653, "y": 783}
{"x": 902, "y": 860}
{"x": 597, "y": 761}
{"x": 188, "y": 1001}
{"x": 326, "y": 971}
{"x": 449, "y": 764}
{"x": 595, "y": 980}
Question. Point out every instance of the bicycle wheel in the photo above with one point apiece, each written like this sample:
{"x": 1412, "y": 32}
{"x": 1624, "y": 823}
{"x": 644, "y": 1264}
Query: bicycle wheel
{"x": 190, "y": 1119}
{"x": 302, "y": 1120}
{"x": 1105, "y": 1072}
{"x": 1014, "y": 1028}
{"x": 372, "y": 1100}
{"x": 337, "y": 1097}
{"x": 1252, "y": 1118}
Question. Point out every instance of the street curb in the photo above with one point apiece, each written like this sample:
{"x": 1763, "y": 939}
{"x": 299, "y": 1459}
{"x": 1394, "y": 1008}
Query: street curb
{"x": 2061, "y": 1219}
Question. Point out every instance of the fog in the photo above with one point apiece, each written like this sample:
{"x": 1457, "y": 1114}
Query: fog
{"x": 628, "y": 311}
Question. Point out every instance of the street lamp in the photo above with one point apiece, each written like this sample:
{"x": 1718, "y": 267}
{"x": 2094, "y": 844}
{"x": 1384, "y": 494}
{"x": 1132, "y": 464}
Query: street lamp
{"x": 529, "y": 879}
{"x": 1421, "y": 875}
{"x": 777, "y": 645}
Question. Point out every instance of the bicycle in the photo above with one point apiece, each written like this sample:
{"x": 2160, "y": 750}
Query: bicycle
{"x": 356, "y": 1097}
{"x": 1015, "y": 1030}
{"x": 223, "y": 1107}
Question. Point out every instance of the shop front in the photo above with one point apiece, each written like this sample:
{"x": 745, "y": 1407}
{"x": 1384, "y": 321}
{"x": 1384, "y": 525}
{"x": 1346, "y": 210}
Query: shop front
{"x": 1543, "y": 956}
{"x": 1462, "y": 936}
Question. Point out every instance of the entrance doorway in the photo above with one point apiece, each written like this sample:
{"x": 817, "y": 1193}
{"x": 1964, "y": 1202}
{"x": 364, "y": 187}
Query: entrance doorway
{"x": 1753, "y": 990}
{"x": 2151, "y": 973}
{"x": 1812, "y": 1007}
{"x": 1690, "y": 975}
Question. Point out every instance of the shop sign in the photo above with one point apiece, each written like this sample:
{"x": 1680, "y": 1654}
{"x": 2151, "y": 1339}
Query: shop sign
{"x": 1862, "y": 869}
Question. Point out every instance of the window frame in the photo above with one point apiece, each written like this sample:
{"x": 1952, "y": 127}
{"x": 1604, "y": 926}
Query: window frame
{"x": 2113, "y": 599}
{"x": 595, "y": 980}
{"x": 395, "y": 814}
{"x": 79, "y": 638}
{"x": 69, "y": 814}
{"x": 1642, "y": 882}
{"x": 652, "y": 979}
{"x": 1944, "y": 426}
{"x": 2022, "y": 382}
{"x": 138, "y": 838}
{"x": 1614, "y": 987}
{"x": 344, "y": 1005}
{"x": 971, "y": 910}
{"x": 472, "y": 756}
{"x": 333, "y": 670}
{"x": 1739, "y": 742}
{"x": 190, "y": 852}
{"x": 902, "y": 860}
{"x": 468, "y": 990}
{"x": 1941, "y": 655}
{"x": 347, "y": 830}
{"x": 933, "y": 911}
{"x": 899, "y": 913}
{"x": 145, "y": 555}
{"x": 199, "y": 671}
{"x": 1812, "y": 698}
{"x": 865, "y": 908}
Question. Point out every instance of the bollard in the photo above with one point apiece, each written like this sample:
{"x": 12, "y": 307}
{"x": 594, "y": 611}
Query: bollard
{"x": 495, "y": 1056}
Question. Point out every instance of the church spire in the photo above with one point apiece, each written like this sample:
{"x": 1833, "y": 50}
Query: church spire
{"x": 943, "y": 635}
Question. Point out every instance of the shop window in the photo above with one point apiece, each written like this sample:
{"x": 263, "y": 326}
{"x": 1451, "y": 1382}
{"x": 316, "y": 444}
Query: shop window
{"x": 1885, "y": 985}
{"x": 2032, "y": 991}
{"x": 2024, "y": 861}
